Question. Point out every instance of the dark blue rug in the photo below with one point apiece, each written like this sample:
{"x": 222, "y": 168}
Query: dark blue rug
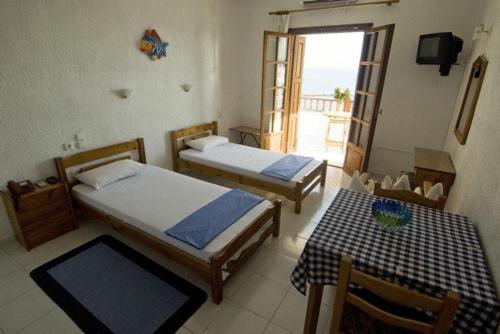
{"x": 107, "y": 287}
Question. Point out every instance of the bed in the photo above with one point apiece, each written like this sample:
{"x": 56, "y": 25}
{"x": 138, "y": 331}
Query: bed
{"x": 243, "y": 164}
{"x": 136, "y": 206}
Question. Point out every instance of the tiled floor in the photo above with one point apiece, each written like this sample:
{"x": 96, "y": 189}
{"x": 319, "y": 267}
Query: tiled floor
{"x": 260, "y": 299}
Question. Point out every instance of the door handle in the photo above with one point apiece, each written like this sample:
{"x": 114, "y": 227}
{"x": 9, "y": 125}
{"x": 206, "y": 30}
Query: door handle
{"x": 380, "y": 112}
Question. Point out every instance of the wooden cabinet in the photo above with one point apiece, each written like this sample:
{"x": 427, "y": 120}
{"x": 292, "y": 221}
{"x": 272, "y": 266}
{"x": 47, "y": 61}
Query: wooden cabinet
{"x": 41, "y": 215}
{"x": 434, "y": 166}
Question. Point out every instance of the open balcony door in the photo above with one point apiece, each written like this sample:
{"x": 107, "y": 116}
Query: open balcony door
{"x": 299, "y": 47}
{"x": 276, "y": 83}
{"x": 373, "y": 66}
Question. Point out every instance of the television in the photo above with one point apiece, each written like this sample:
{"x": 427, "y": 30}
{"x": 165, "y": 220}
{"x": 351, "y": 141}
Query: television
{"x": 439, "y": 49}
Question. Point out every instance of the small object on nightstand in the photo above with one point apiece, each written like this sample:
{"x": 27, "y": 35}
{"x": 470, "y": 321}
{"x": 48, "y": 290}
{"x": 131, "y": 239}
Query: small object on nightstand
{"x": 19, "y": 188}
{"x": 52, "y": 180}
{"x": 40, "y": 215}
{"x": 41, "y": 184}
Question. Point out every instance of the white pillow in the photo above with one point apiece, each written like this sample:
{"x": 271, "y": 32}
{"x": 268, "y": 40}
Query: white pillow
{"x": 357, "y": 185}
{"x": 110, "y": 173}
{"x": 435, "y": 192}
{"x": 403, "y": 183}
{"x": 206, "y": 143}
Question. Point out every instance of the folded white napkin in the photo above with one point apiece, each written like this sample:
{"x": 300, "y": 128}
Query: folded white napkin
{"x": 357, "y": 184}
{"x": 435, "y": 192}
{"x": 387, "y": 182}
{"x": 403, "y": 183}
{"x": 418, "y": 190}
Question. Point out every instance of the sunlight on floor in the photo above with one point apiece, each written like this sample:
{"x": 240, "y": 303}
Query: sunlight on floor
{"x": 311, "y": 139}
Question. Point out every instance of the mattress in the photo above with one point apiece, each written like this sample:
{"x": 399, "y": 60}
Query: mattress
{"x": 244, "y": 160}
{"x": 158, "y": 199}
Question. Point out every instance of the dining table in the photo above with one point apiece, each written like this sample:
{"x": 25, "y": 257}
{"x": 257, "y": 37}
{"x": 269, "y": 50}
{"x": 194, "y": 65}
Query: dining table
{"x": 435, "y": 253}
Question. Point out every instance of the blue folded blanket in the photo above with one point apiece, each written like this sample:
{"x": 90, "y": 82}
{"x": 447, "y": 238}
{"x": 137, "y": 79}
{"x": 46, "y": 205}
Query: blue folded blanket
{"x": 286, "y": 167}
{"x": 202, "y": 226}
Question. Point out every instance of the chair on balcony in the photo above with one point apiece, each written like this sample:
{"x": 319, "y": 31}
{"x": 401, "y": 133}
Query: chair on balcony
{"x": 338, "y": 118}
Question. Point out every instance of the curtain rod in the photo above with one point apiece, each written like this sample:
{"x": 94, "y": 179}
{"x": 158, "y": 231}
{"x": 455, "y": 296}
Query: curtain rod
{"x": 354, "y": 4}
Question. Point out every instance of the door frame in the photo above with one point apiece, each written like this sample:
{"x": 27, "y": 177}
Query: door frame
{"x": 341, "y": 28}
{"x": 330, "y": 29}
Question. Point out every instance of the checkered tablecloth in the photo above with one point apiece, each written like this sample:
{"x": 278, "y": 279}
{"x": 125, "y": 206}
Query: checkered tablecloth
{"x": 435, "y": 253}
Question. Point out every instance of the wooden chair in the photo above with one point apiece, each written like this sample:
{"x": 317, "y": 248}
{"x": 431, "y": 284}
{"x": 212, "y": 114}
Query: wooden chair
{"x": 444, "y": 309}
{"x": 410, "y": 197}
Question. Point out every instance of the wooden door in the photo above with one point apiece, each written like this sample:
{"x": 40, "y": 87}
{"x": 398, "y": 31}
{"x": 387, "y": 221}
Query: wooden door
{"x": 276, "y": 70}
{"x": 299, "y": 46}
{"x": 373, "y": 66}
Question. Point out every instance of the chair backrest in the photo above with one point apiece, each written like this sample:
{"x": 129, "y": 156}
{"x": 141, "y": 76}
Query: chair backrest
{"x": 410, "y": 197}
{"x": 445, "y": 309}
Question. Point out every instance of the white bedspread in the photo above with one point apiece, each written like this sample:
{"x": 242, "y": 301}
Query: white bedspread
{"x": 244, "y": 160}
{"x": 158, "y": 199}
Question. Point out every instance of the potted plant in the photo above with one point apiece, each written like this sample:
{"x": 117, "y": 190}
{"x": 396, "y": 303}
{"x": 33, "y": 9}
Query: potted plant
{"x": 342, "y": 95}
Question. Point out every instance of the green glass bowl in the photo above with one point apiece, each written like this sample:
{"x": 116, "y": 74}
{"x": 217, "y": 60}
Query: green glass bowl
{"x": 392, "y": 216}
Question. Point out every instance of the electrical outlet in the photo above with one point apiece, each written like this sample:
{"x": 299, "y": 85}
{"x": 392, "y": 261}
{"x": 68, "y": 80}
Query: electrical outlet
{"x": 68, "y": 146}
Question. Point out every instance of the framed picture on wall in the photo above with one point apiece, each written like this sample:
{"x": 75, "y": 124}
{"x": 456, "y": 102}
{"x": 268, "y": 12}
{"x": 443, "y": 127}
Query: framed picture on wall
{"x": 471, "y": 97}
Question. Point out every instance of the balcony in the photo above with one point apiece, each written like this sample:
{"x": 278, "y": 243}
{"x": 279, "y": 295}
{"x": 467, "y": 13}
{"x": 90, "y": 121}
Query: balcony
{"x": 323, "y": 127}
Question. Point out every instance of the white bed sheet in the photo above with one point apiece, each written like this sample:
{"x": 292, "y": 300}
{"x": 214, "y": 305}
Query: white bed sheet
{"x": 158, "y": 199}
{"x": 244, "y": 160}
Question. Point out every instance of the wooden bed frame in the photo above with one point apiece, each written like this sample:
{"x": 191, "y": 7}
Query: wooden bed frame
{"x": 210, "y": 271}
{"x": 296, "y": 194}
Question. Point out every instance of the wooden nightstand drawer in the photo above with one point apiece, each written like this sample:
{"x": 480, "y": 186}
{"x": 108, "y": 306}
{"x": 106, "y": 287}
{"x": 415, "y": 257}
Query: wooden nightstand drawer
{"x": 41, "y": 226}
{"x": 45, "y": 235}
{"x": 40, "y": 198}
{"x": 42, "y": 212}
{"x": 37, "y": 199}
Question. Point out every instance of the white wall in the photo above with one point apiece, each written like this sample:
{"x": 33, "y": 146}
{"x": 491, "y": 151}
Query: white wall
{"x": 417, "y": 102}
{"x": 476, "y": 192}
{"x": 61, "y": 60}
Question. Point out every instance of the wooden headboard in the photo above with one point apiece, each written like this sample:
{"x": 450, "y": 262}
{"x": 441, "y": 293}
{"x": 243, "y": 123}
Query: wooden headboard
{"x": 178, "y": 137}
{"x": 62, "y": 164}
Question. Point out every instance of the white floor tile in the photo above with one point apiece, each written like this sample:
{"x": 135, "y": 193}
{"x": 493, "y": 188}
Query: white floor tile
{"x": 273, "y": 265}
{"x": 260, "y": 295}
{"x": 275, "y": 329}
{"x": 288, "y": 245}
{"x": 292, "y": 311}
{"x": 23, "y": 257}
{"x": 14, "y": 284}
{"x": 202, "y": 318}
{"x": 7, "y": 264}
{"x": 233, "y": 319}
{"x": 25, "y": 309}
{"x": 56, "y": 321}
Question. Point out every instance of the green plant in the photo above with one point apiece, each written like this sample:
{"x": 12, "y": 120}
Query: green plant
{"x": 341, "y": 94}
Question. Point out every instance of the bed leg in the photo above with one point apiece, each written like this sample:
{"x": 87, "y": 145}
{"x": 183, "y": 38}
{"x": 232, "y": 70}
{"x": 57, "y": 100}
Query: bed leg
{"x": 277, "y": 218}
{"x": 323, "y": 172}
{"x": 216, "y": 282}
{"x": 298, "y": 206}
{"x": 298, "y": 197}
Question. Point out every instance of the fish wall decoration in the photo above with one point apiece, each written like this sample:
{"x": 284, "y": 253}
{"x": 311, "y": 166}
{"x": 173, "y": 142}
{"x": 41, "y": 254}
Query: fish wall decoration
{"x": 152, "y": 45}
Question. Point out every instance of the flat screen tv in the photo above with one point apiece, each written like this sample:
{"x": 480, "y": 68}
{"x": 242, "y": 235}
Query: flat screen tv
{"x": 439, "y": 49}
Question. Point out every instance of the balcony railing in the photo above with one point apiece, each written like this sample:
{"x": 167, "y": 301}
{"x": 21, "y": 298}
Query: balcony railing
{"x": 324, "y": 103}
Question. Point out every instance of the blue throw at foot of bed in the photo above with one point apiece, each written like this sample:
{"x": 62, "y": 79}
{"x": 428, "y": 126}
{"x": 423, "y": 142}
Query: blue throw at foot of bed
{"x": 287, "y": 167}
{"x": 204, "y": 225}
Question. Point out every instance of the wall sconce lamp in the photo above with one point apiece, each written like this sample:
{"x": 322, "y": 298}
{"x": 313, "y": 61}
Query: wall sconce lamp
{"x": 480, "y": 29}
{"x": 186, "y": 87}
{"x": 124, "y": 93}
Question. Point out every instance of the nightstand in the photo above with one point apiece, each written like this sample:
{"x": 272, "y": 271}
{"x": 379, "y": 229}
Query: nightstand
{"x": 41, "y": 215}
